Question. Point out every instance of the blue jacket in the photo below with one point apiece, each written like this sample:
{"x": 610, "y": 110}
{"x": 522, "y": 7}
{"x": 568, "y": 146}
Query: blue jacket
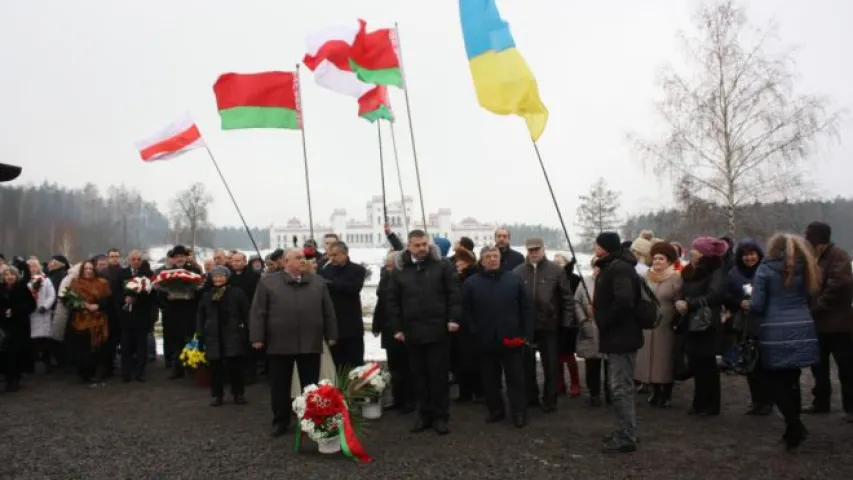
{"x": 495, "y": 306}
{"x": 740, "y": 274}
{"x": 787, "y": 337}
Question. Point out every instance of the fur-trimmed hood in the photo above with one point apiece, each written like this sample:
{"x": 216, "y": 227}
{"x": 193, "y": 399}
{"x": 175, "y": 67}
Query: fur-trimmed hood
{"x": 403, "y": 257}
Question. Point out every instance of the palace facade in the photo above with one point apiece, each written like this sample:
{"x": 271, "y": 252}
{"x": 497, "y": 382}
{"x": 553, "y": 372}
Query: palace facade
{"x": 368, "y": 232}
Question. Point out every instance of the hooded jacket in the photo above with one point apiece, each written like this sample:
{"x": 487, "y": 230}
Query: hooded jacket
{"x": 617, "y": 289}
{"x": 740, "y": 275}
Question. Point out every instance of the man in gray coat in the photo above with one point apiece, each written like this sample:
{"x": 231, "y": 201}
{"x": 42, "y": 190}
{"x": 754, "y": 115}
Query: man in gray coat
{"x": 291, "y": 314}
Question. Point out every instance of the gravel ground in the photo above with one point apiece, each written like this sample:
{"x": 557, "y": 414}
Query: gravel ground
{"x": 164, "y": 429}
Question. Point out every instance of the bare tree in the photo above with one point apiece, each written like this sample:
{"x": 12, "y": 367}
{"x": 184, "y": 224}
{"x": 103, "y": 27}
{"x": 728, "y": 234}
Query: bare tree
{"x": 189, "y": 211}
{"x": 734, "y": 125}
{"x": 597, "y": 212}
{"x": 65, "y": 245}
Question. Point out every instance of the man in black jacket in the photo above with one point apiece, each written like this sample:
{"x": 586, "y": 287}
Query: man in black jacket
{"x": 345, "y": 280}
{"x": 134, "y": 314}
{"x": 179, "y": 312}
{"x": 510, "y": 259}
{"x": 495, "y": 308}
{"x": 423, "y": 308}
{"x": 246, "y": 279}
{"x": 617, "y": 290}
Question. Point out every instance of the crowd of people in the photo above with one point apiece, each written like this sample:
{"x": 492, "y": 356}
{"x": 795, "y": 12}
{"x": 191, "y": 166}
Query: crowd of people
{"x": 645, "y": 319}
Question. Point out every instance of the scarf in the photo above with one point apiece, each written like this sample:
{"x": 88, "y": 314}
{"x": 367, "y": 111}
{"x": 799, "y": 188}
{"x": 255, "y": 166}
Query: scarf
{"x": 660, "y": 277}
{"x": 92, "y": 290}
{"x": 218, "y": 292}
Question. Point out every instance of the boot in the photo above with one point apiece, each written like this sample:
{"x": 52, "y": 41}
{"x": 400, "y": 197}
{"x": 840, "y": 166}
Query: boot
{"x": 666, "y": 396}
{"x": 574, "y": 375}
{"x": 655, "y": 396}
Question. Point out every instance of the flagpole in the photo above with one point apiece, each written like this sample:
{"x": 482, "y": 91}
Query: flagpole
{"x": 560, "y": 217}
{"x": 411, "y": 128}
{"x": 304, "y": 152}
{"x": 233, "y": 200}
{"x": 399, "y": 177}
{"x": 382, "y": 170}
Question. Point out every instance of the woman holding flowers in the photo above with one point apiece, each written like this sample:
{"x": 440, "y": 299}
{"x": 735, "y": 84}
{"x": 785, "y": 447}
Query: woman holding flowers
{"x": 16, "y": 304}
{"x": 88, "y": 317}
{"x": 44, "y": 295}
{"x": 223, "y": 334}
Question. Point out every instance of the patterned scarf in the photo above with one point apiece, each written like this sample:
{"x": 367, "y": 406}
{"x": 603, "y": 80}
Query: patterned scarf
{"x": 92, "y": 290}
{"x": 218, "y": 292}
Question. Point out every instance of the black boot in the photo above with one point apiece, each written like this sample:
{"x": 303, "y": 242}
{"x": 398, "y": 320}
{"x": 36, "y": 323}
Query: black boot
{"x": 666, "y": 396}
{"x": 655, "y": 395}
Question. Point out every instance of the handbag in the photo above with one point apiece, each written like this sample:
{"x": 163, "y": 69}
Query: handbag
{"x": 700, "y": 320}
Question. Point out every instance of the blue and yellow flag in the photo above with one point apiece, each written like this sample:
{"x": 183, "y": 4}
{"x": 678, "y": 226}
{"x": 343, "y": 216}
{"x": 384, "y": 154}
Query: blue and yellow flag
{"x": 504, "y": 83}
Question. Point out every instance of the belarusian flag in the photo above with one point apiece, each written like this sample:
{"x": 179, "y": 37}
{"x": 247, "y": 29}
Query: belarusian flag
{"x": 374, "y": 105}
{"x": 374, "y": 56}
{"x": 175, "y": 139}
{"x": 258, "y": 100}
{"x": 328, "y": 53}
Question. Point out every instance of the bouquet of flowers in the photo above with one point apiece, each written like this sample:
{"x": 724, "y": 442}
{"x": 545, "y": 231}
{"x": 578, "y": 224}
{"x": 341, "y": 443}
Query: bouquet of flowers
{"x": 324, "y": 416}
{"x": 72, "y": 300}
{"x": 179, "y": 283}
{"x": 134, "y": 288}
{"x": 747, "y": 290}
{"x": 368, "y": 382}
{"x": 192, "y": 356}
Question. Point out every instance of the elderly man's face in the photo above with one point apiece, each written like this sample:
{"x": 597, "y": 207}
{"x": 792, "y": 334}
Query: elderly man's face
{"x": 294, "y": 261}
{"x": 238, "y": 262}
{"x": 220, "y": 258}
{"x": 135, "y": 260}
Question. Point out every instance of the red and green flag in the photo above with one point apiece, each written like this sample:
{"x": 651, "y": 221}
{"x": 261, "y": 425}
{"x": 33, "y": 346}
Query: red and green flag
{"x": 374, "y": 105}
{"x": 258, "y": 100}
{"x": 374, "y": 57}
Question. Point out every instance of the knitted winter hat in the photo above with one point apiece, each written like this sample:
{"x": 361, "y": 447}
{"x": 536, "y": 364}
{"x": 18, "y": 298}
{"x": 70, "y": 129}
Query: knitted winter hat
{"x": 609, "y": 242}
{"x": 710, "y": 246}
{"x": 220, "y": 270}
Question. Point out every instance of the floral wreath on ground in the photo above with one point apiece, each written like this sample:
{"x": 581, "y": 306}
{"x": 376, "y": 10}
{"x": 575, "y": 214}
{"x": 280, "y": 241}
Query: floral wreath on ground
{"x": 369, "y": 381}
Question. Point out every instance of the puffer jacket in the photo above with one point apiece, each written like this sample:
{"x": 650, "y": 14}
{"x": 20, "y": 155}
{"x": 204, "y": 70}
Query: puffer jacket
{"x": 787, "y": 337}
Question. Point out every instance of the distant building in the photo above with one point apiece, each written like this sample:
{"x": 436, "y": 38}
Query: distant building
{"x": 369, "y": 233}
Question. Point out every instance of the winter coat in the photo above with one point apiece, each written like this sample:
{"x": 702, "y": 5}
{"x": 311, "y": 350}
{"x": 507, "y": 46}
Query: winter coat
{"x": 380, "y": 312}
{"x": 586, "y": 345}
{"x": 831, "y": 307}
{"x": 56, "y": 277}
{"x": 617, "y": 289}
{"x": 655, "y": 360}
{"x": 139, "y": 316}
{"x": 550, "y": 295}
{"x": 246, "y": 280}
{"x": 495, "y": 306}
{"x": 292, "y": 316}
{"x": 510, "y": 259}
{"x": 787, "y": 337}
{"x": 704, "y": 285}
{"x": 42, "y": 318}
{"x": 423, "y": 297}
{"x": 345, "y": 283}
{"x": 20, "y": 303}
{"x": 60, "y": 313}
{"x": 222, "y": 325}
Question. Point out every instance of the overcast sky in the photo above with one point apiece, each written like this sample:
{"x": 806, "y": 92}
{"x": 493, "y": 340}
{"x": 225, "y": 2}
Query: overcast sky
{"x": 81, "y": 81}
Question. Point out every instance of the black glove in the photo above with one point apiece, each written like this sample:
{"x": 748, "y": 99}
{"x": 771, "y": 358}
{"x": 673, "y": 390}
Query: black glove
{"x": 42, "y": 310}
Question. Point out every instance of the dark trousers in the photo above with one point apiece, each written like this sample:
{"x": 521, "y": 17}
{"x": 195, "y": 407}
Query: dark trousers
{"x": 760, "y": 389}
{"x": 12, "y": 357}
{"x": 233, "y": 368}
{"x": 45, "y": 350}
{"x": 706, "y": 384}
{"x": 593, "y": 368}
{"x": 840, "y": 347}
{"x": 499, "y": 366}
{"x": 281, "y": 376}
{"x": 109, "y": 349}
{"x": 134, "y": 351}
{"x": 348, "y": 353}
{"x": 401, "y": 375}
{"x": 430, "y": 364}
{"x": 784, "y": 388}
{"x": 547, "y": 344}
{"x": 465, "y": 364}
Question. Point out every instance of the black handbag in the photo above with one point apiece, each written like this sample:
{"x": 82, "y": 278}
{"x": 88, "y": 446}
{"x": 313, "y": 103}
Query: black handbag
{"x": 747, "y": 358}
{"x": 700, "y": 320}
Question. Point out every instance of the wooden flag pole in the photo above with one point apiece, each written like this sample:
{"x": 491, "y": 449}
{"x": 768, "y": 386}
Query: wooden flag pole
{"x": 411, "y": 128}
{"x": 382, "y": 171}
{"x": 399, "y": 177}
{"x": 304, "y": 151}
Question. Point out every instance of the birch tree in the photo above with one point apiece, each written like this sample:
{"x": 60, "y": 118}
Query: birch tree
{"x": 733, "y": 124}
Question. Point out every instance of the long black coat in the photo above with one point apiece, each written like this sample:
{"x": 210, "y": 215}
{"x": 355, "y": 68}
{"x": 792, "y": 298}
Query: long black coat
{"x": 223, "y": 325}
{"x": 345, "y": 283}
{"x": 20, "y": 301}
{"x": 381, "y": 325}
{"x": 617, "y": 289}
{"x": 140, "y": 315}
{"x": 704, "y": 284}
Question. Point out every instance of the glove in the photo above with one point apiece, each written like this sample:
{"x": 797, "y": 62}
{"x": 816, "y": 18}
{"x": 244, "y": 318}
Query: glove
{"x": 42, "y": 310}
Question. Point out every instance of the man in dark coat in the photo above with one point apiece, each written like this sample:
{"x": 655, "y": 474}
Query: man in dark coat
{"x": 134, "y": 313}
{"x": 833, "y": 318}
{"x": 553, "y": 307}
{"x": 179, "y": 313}
{"x": 111, "y": 274}
{"x": 617, "y": 289}
{"x": 345, "y": 280}
{"x": 423, "y": 309}
{"x": 246, "y": 279}
{"x": 496, "y": 307}
{"x": 510, "y": 259}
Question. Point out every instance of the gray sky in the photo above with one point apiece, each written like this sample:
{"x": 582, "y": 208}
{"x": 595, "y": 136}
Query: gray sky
{"x": 81, "y": 81}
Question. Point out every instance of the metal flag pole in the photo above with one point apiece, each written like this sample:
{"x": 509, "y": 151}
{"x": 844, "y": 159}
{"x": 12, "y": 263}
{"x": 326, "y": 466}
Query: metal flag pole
{"x": 411, "y": 128}
{"x": 382, "y": 171}
{"x": 562, "y": 222}
{"x": 399, "y": 177}
{"x": 304, "y": 150}
{"x": 233, "y": 200}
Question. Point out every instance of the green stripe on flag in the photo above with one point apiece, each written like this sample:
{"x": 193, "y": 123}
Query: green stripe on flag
{"x": 387, "y": 76}
{"x": 259, "y": 117}
{"x": 381, "y": 113}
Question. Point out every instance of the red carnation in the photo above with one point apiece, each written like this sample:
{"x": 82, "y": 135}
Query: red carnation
{"x": 514, "y": 342}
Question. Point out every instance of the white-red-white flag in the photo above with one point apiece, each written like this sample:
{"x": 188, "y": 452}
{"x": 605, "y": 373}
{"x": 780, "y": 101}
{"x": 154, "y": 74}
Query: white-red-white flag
{"x": 175, "y": 139}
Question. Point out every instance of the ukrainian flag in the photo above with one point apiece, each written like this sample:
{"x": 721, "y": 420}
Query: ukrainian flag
{"x": 504, "y": 83}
